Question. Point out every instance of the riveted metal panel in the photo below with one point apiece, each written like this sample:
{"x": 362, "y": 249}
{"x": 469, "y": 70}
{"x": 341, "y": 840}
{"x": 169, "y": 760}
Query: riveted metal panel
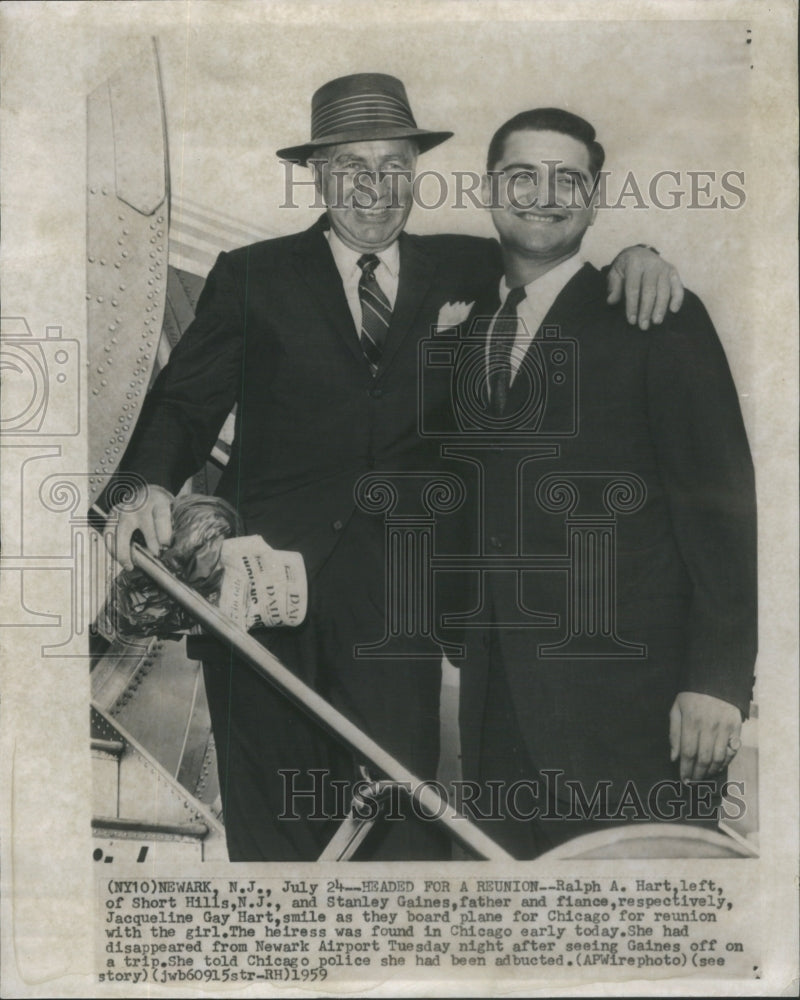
{"x": 156, "y": 694}
{"x": 127, "y": 254}
{"x": 146, "y": 792}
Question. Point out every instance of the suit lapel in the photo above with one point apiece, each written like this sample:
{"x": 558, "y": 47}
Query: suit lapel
{"x": 478, "y": 325}
{"x": 578, "y": 290}
{"x": 314, "y": 263}
{"x": 417, "y": 274}
{"x": 487, "y": 305}
{"x": 570, "y": 301}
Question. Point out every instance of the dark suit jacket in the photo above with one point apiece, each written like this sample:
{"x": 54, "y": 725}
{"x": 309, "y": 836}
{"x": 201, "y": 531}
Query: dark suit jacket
{"x": 274, "y": 335}
{"x": 661, "y": 405}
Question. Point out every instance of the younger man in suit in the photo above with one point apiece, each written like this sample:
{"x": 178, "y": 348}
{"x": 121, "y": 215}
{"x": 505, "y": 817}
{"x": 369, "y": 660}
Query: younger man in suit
{"x": 647, "y": 656}
{"x": 314, "y": 337}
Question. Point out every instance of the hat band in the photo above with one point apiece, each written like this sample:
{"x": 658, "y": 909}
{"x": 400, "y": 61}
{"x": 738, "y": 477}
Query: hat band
{"x": 357, "y": 112}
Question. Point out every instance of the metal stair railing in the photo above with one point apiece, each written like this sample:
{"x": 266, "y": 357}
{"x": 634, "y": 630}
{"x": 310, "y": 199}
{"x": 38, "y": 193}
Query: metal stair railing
{"x": 427, "y": 798}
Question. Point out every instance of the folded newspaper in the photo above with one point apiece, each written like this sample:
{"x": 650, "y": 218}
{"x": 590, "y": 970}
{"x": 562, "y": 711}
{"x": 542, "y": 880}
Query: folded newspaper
{"x": 253, "y": 584}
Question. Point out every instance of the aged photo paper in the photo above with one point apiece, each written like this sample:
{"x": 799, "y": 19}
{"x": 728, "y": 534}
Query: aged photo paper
{"x": 138, "y": 143}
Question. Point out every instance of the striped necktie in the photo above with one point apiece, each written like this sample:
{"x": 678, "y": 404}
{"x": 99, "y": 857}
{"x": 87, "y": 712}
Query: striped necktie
{"x": 501, "y": 344}
{"x": 376, "y": 313}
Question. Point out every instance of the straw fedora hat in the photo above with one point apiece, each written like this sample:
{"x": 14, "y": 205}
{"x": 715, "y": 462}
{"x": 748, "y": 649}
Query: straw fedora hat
{"x": 361, "y": 107}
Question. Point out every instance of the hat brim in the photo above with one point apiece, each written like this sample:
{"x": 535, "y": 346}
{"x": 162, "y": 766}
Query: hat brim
{"x": 425, "y": 140}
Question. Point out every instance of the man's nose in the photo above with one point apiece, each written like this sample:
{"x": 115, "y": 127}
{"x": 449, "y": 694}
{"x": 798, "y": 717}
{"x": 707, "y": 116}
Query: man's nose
{"x": 374, "y": 187}
{"x": 384, "y": 184}
{"x": 547, "y": 192}
{"x": 540, "y": 191}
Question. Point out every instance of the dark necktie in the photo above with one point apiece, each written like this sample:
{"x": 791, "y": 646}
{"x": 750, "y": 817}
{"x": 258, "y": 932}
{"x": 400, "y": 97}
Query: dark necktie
{"x": 504, "y": 332}
{"x": 376, "y": 313}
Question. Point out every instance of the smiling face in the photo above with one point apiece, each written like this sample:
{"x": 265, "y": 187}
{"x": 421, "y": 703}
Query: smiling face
{"x": 538, "y": 201}
{"x": 368, "y": 189}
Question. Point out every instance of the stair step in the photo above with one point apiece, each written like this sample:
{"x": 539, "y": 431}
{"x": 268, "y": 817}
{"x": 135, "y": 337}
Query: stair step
{"x": 109, "y": 825}
{"x": 112, "y": 747}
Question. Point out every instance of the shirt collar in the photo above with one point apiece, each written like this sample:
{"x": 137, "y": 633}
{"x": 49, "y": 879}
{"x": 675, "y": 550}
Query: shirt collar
{"x": 346, "y": 259}
{"x": 551, "y": 282}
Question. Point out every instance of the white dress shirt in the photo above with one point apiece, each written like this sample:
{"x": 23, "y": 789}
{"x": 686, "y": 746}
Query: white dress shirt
{"x": 387, "y": 273}
{"x": 540, "y": 294}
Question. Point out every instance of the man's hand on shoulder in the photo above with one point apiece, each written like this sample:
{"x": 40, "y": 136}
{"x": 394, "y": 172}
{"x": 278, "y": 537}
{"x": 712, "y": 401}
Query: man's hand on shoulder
{"x": 150, "y": 513}
{"x": 701, "y": 731}
{"x": 650, "y": 285}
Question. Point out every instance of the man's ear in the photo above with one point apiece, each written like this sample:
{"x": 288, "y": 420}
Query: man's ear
{"x": 316, "y": 170}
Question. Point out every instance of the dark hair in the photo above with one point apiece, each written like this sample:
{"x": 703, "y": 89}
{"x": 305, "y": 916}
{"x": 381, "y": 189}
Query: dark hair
{"x": 548, "y": 120}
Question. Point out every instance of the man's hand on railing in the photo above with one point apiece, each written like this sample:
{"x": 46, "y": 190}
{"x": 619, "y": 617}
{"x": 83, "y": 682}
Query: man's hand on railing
{"x": 152, "y": 516}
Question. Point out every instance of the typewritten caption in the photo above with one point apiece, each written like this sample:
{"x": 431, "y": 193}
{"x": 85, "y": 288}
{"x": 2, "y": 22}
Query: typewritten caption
{"x": 224, "y": 930}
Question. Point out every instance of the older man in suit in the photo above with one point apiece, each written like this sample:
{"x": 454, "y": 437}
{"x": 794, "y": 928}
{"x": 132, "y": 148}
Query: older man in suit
{"x": 640, "y": 475}
{"x": 314, "y": 337}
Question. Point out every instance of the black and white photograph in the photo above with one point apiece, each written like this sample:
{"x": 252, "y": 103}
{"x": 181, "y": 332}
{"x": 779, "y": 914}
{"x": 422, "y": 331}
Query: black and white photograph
{"x": 399, "y": 463}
